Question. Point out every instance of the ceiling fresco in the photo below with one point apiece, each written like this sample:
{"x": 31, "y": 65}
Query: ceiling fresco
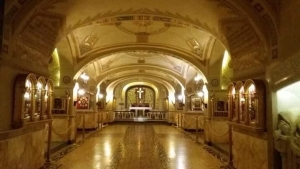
{"x": 168, "y": 40}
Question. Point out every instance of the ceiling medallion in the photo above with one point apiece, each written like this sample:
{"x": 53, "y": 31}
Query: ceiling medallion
{"x": 66, "y": 79}
{"x": 214, "y": 82}
{"x": 92, "y": 88}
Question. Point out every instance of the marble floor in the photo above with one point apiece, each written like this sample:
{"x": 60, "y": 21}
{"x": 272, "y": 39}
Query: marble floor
{"x": 138, "y": 146}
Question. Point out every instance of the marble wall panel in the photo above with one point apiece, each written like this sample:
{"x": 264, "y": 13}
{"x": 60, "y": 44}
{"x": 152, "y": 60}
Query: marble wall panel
{"x": 172, "y": 117}
{"x": 90, "y": 120}
{"x": 218, "y": 131}
{"x": 24, "y": 151}
{"x": 177, "y": 118}
{"x": 60, "y": 128}
{"x": 189, "y": 121}
{"x": 249, "y": 152}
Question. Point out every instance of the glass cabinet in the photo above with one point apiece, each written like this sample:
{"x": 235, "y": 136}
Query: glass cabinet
{"x": 246, "y": 103}
{"x": 31, "y": 99}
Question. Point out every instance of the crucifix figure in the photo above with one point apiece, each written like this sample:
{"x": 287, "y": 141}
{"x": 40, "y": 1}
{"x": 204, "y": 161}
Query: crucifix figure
{"x": 140, "y": 91}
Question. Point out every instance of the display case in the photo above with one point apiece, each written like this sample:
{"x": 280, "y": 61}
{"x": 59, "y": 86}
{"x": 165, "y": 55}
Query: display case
{"x": 246, "y": 104}
{"x": 232, "y": 101}
{"x": 255, "y": 98}
{"x": 48, "y": 101}
{"x": 30, "y": 99}
{"x": 241, "y": 103}
{"x": 39, "y": 97}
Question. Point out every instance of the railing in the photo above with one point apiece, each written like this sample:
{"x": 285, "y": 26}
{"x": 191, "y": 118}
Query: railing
{"x": 154, "y": 115}
{"x": 197, "y": 123}
{"x": 220, "y": 113}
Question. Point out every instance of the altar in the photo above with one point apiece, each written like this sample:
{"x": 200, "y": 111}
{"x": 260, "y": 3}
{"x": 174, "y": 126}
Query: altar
{"x": 142, "y": 109}
{"x": 139, "y": 104}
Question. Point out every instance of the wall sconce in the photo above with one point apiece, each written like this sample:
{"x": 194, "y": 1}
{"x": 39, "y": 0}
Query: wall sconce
{"x": 81, "y": 92}
{"x": 200, "y": 94}
{"x": 84, "y": 77}
{"x": 109, "y": 97}
{"x": 100, "y": 96}
{"x": 82, "y": 85}
{"x": 171, "y": 99}
{"x": 179, "y": 97}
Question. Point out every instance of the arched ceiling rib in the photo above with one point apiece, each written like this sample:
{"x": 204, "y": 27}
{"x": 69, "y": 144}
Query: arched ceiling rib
{"x": 148, "y": 48}
{"x": 130, "y": 79}
{"x": 119, "y": 71}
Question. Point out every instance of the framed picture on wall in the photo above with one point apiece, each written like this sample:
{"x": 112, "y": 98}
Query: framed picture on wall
{"x": 83, "y": 102}
{"x": 180, "y": 106}
{"x": 220, "y": 106}
{"x": 196, "y": 104}
{"x": 58, "y": 103}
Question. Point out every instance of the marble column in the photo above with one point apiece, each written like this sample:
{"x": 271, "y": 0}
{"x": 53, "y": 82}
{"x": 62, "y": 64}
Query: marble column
{"x": 71, "y": 111}
{"x": 185, "y": 108}
{"x": 207, "y": 119}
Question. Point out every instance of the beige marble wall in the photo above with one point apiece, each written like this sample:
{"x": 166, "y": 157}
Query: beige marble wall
{"x": 217, "y": 131}
{"x": 249, "y": 152}
{"x": 177, "y": 120}
{"x": 108, "y": 116}
{"x": 61, "y": 128}
{"x": 189, "y": 121}
{"x": 88, "y": 120}
{"x": 24, "y": 151}
{"x": 172, "y": 117}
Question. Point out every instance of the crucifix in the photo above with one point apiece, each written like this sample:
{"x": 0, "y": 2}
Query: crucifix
{"x": 140, "y": 91}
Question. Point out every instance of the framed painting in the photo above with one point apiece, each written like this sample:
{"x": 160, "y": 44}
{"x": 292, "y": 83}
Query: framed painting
{"x": 83, "y": 102}
{"x": 220, "y": 106}
{"x": 58, "y": 103}
{"x": 180, "y": 106}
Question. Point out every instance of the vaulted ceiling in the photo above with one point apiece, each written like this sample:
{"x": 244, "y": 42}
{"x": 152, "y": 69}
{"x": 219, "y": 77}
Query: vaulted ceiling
{"x": 168, "y": 41}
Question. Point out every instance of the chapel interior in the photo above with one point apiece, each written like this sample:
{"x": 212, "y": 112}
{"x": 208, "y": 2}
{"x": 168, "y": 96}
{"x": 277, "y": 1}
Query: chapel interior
{"x": 150, "y": 84}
